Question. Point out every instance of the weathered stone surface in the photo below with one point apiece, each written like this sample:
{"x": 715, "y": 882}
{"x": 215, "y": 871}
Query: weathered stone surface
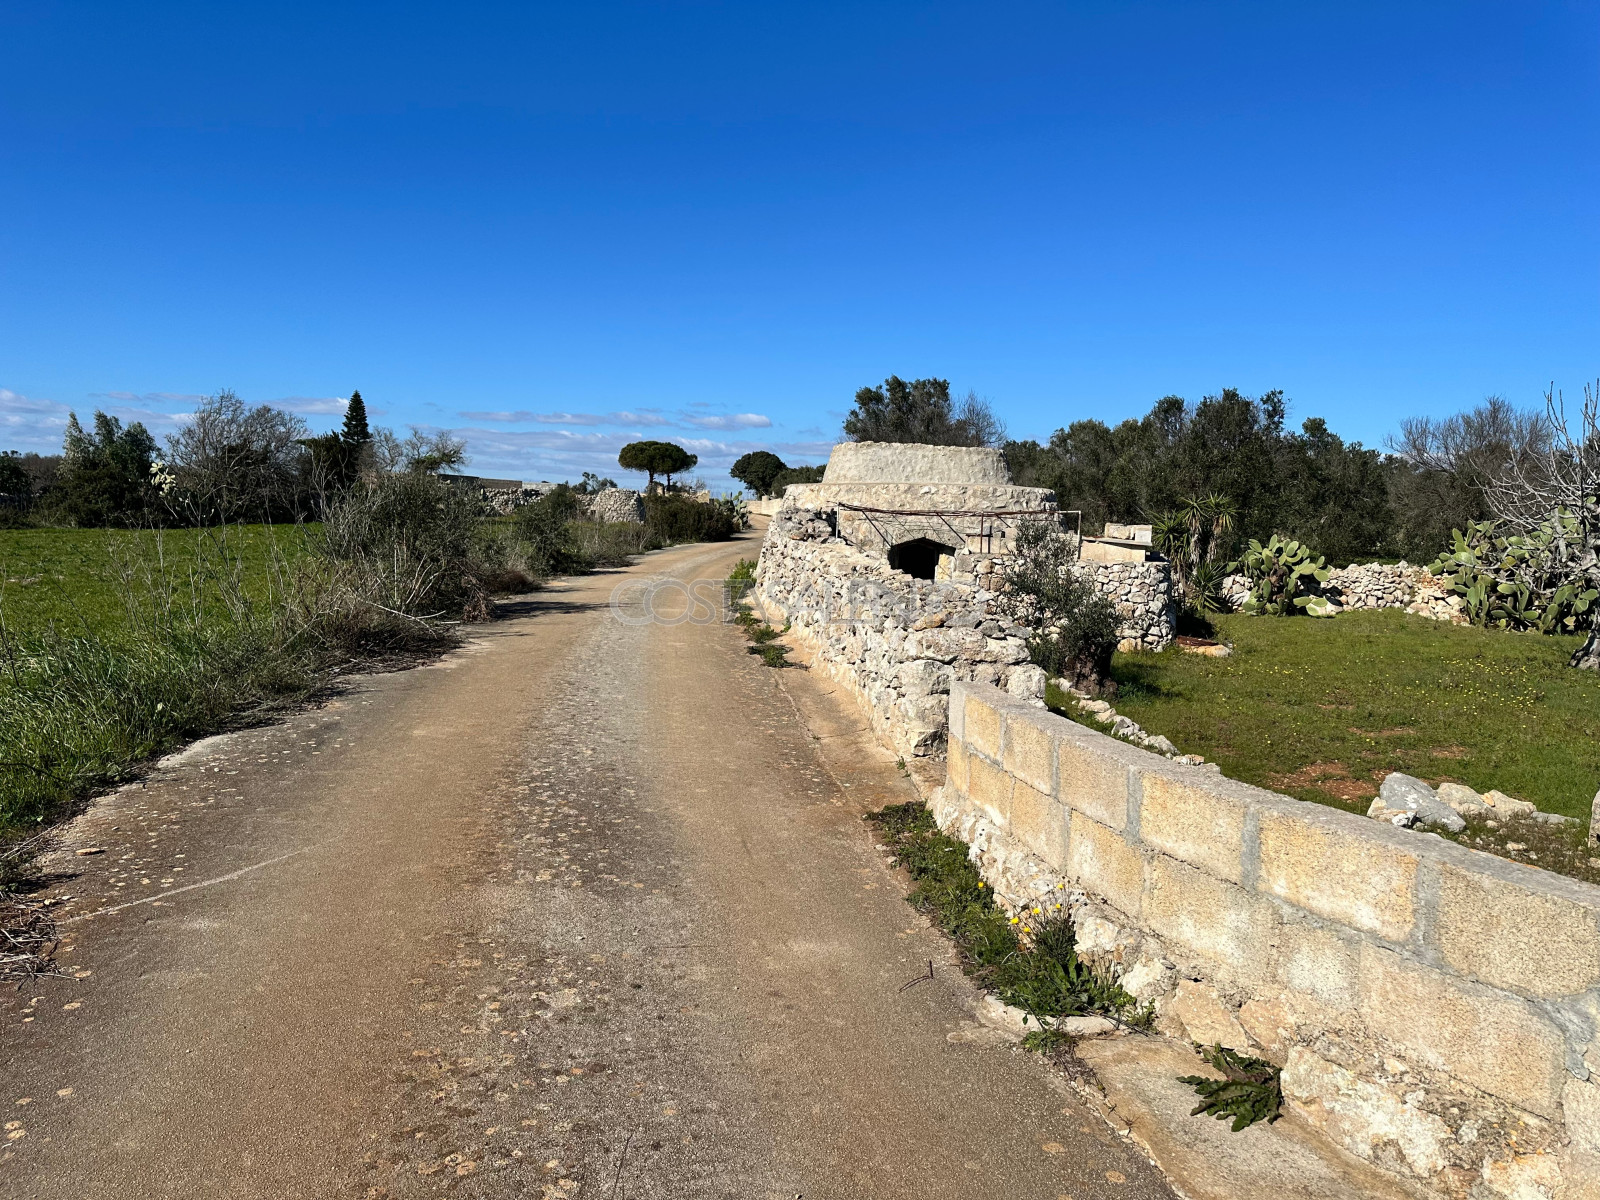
{"x": 1463, "y": 799}
{"x": 1102, "y": 863}
{"x": 896, "y": 462}
{"x": 1580, "y": 1109}
{"x": 1343, "y": 874}
{"x": 1319, "y": 963}
{"x": 1492, "y": 1041}
{"x": 1093, "y": 780}
{"x": 1030, "y": 751}
{"x": 989, "y": 787}
{"x": 1197, "y": 821}
{"x": 1508, "y": 806}
{"x": 1206, "y": 1019}
{"x": 1039, "y": 821}
{"x": 1363, "y": 1117}
{"x": 1413, "y": 802}
{"x": 617, "y": 504}
{"x": 1524, "y": 938}
{"x": 1216, "y": 920}
{"x": 982, "y": 727}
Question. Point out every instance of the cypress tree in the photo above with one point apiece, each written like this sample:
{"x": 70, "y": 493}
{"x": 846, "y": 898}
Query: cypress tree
{"x": 356, "y": 432}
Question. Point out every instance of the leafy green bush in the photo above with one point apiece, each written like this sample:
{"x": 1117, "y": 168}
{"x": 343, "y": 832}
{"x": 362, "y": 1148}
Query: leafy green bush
{"x": 1533, "y": 582}
{"x": 546, "y": 528}
{"x": 1074, "y": 626}
{"x": 674, "y": 518}
{"x": 1277, "y": 573}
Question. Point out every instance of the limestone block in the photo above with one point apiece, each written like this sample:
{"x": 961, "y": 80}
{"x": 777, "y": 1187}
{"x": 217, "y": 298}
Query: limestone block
{"x": 1102, "y": 863}
{"x": 1213, "y": 919}
{"x": 1039, "y": 822}
{"x": 923, "y": 677}
{"x": 989, "y": 787}
{"x": 1093, "y": 777}
{"x": 1206, "y": 1019}
{"x": 1030, "y": 749}
{"x": 1319, "y": 963}
{"x": 1197, "y": 821}
{"x": 1367, "y": 1119}
{"x": 1271, "y": 1025}
{"x": 1495, "y": 1042}
{"x": 981, "y": 727}
{"x": 956, "y": 766}
{"x": 1523, "y": 937}
{"x": 1339, "y": 869}
{"x": 1027, "y": 682}
{"x": 1580, "y": 1111}
{"x": 1525, "y": 1177}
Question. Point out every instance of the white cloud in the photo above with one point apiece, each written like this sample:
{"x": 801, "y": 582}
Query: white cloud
{"x": 647, "y": 417}
{"x": 729, "y": 421}
{"x": 313, "y": 406}
{"x": 28, "y": 424}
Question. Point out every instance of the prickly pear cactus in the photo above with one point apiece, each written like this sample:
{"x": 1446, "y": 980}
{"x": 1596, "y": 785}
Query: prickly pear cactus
{"x": 1281, "y": 574}
{"x": 1545, "y": 581}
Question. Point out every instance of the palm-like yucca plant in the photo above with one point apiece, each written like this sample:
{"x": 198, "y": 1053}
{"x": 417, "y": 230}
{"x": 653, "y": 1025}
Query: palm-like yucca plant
{"x": 1196, "y": 538}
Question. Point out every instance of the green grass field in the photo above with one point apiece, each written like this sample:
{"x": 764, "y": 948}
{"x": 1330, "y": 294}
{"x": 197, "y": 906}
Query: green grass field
{"x": 1323, "y": 709}
{"x": 84, "y": 580}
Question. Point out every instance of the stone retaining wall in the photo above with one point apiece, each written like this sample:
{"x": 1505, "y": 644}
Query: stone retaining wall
{"x": 1436, "y": 1010}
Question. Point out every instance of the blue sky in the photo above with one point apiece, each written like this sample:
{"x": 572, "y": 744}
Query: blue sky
{"x": 556, "y": 228}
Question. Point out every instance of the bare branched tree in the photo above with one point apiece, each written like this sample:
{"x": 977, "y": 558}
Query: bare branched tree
{"x": 234, "y": 462}
{"x": 1555, "y": 474}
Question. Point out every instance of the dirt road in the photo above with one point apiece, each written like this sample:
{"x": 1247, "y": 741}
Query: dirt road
{"x": 585, "y": 910}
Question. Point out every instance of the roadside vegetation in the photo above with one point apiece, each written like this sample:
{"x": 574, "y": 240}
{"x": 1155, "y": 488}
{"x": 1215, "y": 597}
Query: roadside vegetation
{"x": 763, "y": 637}
{"x": 1028, "y": 959}
{"x": 140, "y": 607}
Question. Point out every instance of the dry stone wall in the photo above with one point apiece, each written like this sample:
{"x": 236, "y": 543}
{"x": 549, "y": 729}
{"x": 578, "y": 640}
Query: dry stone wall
{"x": 1435, "y": 1010}
{"x": 1375, "y": 585}
{"x": 870, "y": 626}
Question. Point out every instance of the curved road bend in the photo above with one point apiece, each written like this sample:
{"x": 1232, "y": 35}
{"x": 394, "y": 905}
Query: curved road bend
{"x": 580, "y": 911}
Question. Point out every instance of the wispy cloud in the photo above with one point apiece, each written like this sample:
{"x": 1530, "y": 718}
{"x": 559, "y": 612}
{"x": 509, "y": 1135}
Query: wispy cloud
{"x": 29, "y": 424}
{"x": 647, "y": 418}
{"x": 729, "y": 421}
{"x": 313, "y": 406}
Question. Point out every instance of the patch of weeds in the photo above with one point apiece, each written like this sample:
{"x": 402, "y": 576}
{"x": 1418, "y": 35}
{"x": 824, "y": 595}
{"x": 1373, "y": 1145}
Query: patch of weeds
{"x": 1029, "y": 959}
{"x": 738, "y": 585}
{"x": 1250, "y": 1090}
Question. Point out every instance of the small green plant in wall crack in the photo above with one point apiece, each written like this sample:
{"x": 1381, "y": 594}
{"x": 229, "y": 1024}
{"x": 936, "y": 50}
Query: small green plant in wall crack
{"x": 1250, "y": 1089}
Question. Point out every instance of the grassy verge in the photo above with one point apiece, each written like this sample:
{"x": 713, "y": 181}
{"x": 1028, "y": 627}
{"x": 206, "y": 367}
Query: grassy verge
{"x": 1323, "y": 710}
{"x": 89, "y": 581}
{"x": 1028, "y": 959}
{"x": 764, "y": 637}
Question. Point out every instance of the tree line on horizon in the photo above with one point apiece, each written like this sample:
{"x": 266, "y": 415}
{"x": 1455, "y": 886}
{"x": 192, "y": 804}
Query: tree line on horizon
{"x": 1346, "y": 500}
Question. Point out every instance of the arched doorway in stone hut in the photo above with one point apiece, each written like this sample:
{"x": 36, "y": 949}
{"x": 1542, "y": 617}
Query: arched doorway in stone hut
{"x": 918, "y": 558}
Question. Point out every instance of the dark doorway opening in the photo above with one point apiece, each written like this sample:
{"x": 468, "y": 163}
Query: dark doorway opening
{"x": 918, "y": 558}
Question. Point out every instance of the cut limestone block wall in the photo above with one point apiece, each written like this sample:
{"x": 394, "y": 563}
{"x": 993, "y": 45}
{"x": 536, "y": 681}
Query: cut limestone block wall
{"x": 1435, "y": 1010}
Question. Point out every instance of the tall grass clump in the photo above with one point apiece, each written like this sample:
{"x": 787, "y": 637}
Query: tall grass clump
{"x": 398, "y": 561}
{"x": 1027, "y": 958}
